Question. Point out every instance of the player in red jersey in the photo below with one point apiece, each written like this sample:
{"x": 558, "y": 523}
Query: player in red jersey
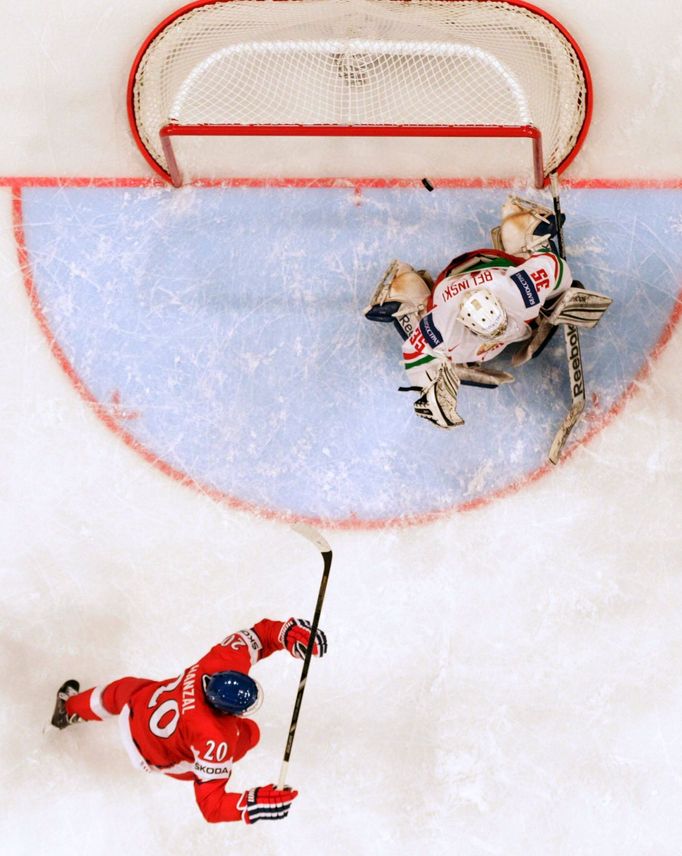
{"x": 195, "y": 727}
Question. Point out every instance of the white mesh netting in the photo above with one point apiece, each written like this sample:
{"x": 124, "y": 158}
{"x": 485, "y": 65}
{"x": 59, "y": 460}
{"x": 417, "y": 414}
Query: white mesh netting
{"x": 362, "y": 62}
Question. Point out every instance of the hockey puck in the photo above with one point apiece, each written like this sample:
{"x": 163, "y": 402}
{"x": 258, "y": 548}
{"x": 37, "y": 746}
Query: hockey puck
{"x": 427, "y": 184}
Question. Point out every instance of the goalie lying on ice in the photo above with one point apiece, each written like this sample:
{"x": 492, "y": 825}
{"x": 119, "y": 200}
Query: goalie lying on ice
{"x": 482, "y": 302}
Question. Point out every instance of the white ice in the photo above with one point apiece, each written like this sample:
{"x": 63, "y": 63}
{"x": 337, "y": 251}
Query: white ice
{"x": 505, "y": 681}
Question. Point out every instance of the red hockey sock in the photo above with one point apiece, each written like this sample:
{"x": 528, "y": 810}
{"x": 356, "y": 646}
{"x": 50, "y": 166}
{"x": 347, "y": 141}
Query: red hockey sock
{"x": 101, "y": 702}
{"x": 80, "y": 705}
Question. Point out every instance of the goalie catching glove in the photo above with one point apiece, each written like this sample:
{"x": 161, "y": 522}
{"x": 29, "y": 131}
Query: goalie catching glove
{"x": 266, "y": 803}
{"x": 438, "y": 401}
{"x": 400, "y": 297}
{"x": 295, "y": 636}
{"x": 526, "y": 228}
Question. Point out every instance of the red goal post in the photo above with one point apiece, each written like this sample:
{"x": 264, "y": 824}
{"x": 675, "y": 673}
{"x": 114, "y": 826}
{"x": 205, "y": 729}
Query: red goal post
{"x": 361, "y": 68}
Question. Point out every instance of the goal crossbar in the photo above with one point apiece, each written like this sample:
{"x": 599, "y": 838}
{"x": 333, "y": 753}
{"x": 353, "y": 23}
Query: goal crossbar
{"x": 171, "y": 130}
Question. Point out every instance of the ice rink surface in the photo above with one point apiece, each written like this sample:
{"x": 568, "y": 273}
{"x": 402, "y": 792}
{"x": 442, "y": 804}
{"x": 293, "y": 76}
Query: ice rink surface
{"x": 503, "y": 679}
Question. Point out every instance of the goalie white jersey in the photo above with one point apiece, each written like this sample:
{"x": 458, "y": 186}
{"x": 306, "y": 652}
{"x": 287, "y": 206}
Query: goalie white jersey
{"x": 522, "y": 288}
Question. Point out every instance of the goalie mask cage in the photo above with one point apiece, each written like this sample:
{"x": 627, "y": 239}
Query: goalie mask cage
{"x": 366, "y": 68}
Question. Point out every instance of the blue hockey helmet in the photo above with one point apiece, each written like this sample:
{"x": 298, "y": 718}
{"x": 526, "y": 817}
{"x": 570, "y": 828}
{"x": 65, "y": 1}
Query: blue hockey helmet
{"x": 233, "y": 692}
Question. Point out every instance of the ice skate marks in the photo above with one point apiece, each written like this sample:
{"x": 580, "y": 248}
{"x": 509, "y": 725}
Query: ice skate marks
{"x": 228, "y": 321}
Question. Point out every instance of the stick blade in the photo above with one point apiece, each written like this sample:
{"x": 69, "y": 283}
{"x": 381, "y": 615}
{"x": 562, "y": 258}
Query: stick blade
{"x": 565, "y": 429}
{"x": 313, "y": 536}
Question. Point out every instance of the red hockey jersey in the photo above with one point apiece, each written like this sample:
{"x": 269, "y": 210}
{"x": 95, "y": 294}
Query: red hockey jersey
{"x": 169, "y": 727}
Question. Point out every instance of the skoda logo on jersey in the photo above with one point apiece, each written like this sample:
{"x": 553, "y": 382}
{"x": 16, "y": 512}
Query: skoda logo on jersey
{"x": 211, "y": 771}
{"x": 525, "y": 285}
{"x": 430, "y": 332}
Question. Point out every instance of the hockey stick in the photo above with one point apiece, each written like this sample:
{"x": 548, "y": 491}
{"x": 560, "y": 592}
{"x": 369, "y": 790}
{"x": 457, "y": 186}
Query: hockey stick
{"x": 574, "y": 358}
{"x": 315, "y": 538}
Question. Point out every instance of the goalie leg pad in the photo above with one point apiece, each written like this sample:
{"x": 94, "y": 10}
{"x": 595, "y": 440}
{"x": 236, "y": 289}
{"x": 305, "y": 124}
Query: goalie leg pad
{"x": 438, "y": 401}
{"x": 534, "y": 346}
{"x": 478, "y": 375}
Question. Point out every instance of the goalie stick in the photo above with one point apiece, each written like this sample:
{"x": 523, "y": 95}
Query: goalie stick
{"x": 574, "y": 358}
{"x": 326, "y": 551}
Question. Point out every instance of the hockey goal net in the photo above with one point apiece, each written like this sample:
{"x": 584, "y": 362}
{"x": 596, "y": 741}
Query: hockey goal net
{"x": 360, "y": 68}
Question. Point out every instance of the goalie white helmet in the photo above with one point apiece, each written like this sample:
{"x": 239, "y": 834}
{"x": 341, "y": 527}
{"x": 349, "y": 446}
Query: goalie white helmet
{"x": 482, "y": 313}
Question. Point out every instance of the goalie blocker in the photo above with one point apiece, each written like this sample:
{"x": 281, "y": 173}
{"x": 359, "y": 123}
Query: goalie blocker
{"x": 577, "y": 307}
